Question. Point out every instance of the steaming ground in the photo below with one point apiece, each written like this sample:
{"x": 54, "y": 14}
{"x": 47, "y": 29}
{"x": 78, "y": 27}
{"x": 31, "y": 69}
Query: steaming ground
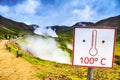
{"x": 46, "y": 32}
{"x": 45, "y": 48}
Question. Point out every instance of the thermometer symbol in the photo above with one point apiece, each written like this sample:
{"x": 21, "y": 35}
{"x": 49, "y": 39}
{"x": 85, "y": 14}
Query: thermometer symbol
{"x": 93, "y": 50}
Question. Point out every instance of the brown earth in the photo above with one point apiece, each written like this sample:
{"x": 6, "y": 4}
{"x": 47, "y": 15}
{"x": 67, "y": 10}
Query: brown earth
{"x": 12, "y": 68}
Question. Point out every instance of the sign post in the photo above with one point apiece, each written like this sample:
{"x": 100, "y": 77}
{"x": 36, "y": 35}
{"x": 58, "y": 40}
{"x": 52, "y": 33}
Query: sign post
{"x": 90, "y": 73}
{"x": 93, "y": 48}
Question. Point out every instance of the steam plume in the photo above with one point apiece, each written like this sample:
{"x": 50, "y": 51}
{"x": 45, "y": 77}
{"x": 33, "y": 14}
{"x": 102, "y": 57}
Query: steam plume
{"x": 45, "y": 48}
{"x": 46, "y": 32}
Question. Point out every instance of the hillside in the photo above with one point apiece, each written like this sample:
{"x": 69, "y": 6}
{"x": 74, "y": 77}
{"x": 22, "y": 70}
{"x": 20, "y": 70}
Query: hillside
{"x": 112, "y": 22}
{"x": 67, "y": 31}
{"x": 13, "y": 28}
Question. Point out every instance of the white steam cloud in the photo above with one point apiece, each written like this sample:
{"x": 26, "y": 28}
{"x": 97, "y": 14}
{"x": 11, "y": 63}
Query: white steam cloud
{"x": 46, "y": 32}
{"x": 45, "y": 48}
{"x": 69, "y": 46}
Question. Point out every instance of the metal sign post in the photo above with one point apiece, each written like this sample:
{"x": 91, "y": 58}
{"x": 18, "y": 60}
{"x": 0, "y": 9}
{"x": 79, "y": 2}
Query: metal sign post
{"x": 90, "y": 73}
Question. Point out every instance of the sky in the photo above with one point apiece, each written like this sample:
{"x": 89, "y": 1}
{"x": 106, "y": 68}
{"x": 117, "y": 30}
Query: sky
{"x": 58, "y": 12}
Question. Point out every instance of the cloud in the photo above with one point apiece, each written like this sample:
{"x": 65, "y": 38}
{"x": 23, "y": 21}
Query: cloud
{"x": 4, "y": 9}
{"x": 60, "y": 12}
{"x": 85, "y": 14}
{"x": 28, "y": 7}
{"x": 22, "y": 12}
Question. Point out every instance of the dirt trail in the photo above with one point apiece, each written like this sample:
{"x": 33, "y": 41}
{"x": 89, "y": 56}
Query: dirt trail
{"x": 12, "y": 68}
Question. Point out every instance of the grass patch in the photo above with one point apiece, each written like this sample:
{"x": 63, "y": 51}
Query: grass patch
{"x": 117, "y": 53}
{"x": 55, "y": 71}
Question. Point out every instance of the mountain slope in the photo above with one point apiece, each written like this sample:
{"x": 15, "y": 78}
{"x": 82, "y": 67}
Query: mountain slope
{"x": 11, "y": 27}
{"x": 112, "y": 22}
{"x": 109, "y": 22}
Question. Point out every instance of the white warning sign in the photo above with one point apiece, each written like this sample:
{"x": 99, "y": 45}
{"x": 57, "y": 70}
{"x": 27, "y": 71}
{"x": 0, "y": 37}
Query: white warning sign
{"x": 93, "y": 47}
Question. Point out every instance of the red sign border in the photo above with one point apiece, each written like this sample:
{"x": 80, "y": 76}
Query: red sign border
{"x": 95, "y": 27}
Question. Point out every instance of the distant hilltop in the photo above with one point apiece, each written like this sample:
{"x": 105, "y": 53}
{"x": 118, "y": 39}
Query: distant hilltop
{"x": 111, "y": 22}
{"x": 8, "y": 26}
